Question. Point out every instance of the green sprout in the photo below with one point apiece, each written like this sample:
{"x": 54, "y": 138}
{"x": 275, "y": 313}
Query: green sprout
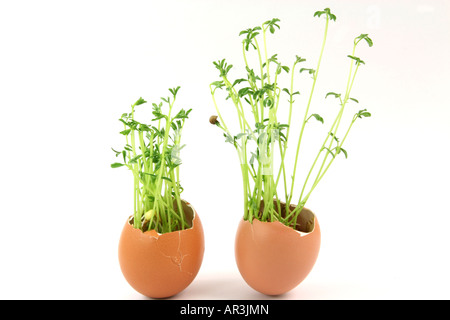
{"x": 262, "y": 136}
{"x": 151, "y": 153}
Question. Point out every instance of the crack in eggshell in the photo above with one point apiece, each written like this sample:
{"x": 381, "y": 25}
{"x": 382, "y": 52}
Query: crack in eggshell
{"x": 167, "y": 252}
{"x": 161, "y": 265}
{"x": 177, "y": 257}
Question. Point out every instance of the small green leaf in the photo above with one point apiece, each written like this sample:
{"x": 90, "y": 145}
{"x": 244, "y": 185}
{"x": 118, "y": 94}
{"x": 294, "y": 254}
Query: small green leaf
{"x": 369, "y": 41}
{"x": 245, "y": 32}
{"x": 332, "y": 154}
{"x": 285, "y": 68}
{"x": 310, "y": 71}
{"x": 228, "y": 138}
{"x": 125, "y": 132}
{"x": 180, "y": 115}
{"x": 354, "y": 100}
{"x": 244, "y": 91}
{"x": 364, "y": 36}
{"x": 327, "y": 12}
{"x": 166, "y": 100}
{"x": 343, "y": 151}
{"x": 140, "y": 101}
{"x": 271, "y": 24}
{"x": 274, "y": 58}
{"x": 159, "y": 116}
{"x": 259, "y": 126}
{"x": 334, "y": 137}
{"x": 143, "y": 127}
{"x": 299, "y": 59}
{"x": 165, "y": 178}
{"x": 237, "y": 81}
{"x": 357, "y": 60}
{"x": 135, "y": 159}
{"x": 318, "y": 117}
{"x": 128, "y": 148}
{"x": 117, "y": 165}
{"x": 336, "y": 95}
{"x": 268, "y": 102}
{"x": 218, "y": 84}
{"x": 318, "y": 13}
{"x": 363, "y": 113}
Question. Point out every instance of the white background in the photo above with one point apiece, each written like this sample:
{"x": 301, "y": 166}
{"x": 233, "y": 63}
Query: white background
{"x": 69, "y": 69}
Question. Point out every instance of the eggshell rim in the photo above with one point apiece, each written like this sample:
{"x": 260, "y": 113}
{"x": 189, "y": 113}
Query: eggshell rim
{"x": 301, "y": 233}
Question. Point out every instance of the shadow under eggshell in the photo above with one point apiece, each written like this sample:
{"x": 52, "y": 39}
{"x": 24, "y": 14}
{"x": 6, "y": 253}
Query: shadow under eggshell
{"x": 161, "y": 265}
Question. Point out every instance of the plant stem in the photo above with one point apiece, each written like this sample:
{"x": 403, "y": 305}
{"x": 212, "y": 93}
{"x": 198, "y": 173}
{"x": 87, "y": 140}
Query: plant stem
{"x": 282, "y": 166}
{"x": 178, "y": 199}
{"x": 335, "y": 126}
{"x": 328, "y": 166}
{"x": 159, "y": 179}
{"x": 262, "y": 81}
{"x": 252, "y": 85}
{"x": 316, "y": 74}
{"x": 222, "y": 122}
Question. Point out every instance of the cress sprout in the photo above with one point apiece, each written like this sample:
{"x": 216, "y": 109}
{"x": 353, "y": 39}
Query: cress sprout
{"x": 151, "y": 153}
{"x": 262, "y": 136}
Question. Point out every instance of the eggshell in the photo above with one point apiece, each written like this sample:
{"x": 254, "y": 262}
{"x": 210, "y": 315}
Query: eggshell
{"x": 162, "y": 265}
{"x": 273, "y": 258}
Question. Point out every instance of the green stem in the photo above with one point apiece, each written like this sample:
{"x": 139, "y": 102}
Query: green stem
{"x": 335, "y": 126}
{"x": 337, "y": 121}
{"x": 327, "y": 167}
{"x": 178, "y": 199}
{"x": 282, "y": 166}
{"x": 252, "y": 85}
{"x": 316, "y": 74}
{"x": 163, "y": 151}
{"x": 137, "y": 211}
{"x": 262, "y": 80}
{"x": 222, "y": 122}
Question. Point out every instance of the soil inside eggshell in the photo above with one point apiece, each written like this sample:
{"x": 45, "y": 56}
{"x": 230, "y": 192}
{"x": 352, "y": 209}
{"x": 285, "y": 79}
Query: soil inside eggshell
{"x": 305, "y": 219}
{"x": 188, "y": 215}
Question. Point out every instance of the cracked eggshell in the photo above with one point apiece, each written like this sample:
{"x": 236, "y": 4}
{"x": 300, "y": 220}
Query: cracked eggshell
{"x": 161, "y": 265}
{"x": 273, "y": 258}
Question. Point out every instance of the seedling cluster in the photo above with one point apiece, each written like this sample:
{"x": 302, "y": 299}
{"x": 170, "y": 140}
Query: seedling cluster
{"x": 262, "y": 135}
{"x": 152, "y": 153}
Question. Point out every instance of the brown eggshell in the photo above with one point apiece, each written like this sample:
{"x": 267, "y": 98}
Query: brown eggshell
{"x": 273, "y": 258}
{"x": 161, "y": 265}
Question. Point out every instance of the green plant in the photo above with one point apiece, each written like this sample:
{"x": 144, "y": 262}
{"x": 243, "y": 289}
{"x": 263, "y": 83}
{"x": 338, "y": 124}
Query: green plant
{"x": 260, "y": 93}
{"x": 152, "y": 154}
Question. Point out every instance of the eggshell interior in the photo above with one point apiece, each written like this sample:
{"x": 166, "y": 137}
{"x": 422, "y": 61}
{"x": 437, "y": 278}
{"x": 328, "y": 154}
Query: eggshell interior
{"x": 273, "y": 258}
{"x": 162, "y": 265}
